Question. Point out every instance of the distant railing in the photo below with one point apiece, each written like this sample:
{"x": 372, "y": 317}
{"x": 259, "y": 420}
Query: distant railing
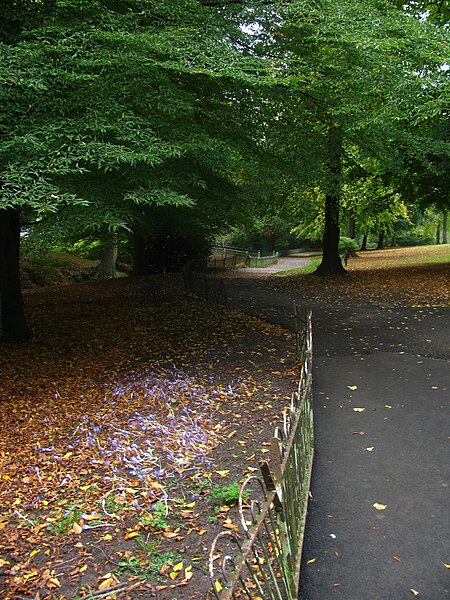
{"x": 233, "y": 258}
{"x": 261, "y": 561}
{"x": 262, "y": 261}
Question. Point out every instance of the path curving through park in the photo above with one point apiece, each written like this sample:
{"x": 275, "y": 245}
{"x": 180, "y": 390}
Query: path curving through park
{"x": 378, "y": 518}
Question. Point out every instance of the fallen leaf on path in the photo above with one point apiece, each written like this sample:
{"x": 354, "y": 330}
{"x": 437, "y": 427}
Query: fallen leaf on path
{"x": 379, "y": 506}
{"x": 131, "y": 535}
{"x": 352, "y": 387}
{"x": 414, "y": 592}
{"x": 369, "y": 449}
{"x": 222, "y": 473}
{"x": 359, "y": 409}
{"x": 76, "y": 528}
{"x": 53, "y": 583}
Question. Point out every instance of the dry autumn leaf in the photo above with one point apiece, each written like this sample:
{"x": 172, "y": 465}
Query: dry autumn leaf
{"x": 76, "y": 528}
{"x": 379, "y": 506}
{"x": 53, "y": 583}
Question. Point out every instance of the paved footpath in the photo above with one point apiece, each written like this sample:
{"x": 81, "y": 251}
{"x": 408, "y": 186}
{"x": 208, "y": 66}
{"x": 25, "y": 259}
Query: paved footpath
{"x": 378, "y": 522}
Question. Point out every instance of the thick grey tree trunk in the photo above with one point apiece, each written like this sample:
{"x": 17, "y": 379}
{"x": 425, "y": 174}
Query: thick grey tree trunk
{"x": 108, "y": 262}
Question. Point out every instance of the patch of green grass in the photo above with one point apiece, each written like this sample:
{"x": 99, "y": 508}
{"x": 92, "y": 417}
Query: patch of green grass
{"x": 426, "y": 260}
{"x": 315, "y": 262}
{"x": 227, "y": 494}
{"x": 65, "y": 522}
{"x": 147, "y": 566}
{"x": 157, "y": 520}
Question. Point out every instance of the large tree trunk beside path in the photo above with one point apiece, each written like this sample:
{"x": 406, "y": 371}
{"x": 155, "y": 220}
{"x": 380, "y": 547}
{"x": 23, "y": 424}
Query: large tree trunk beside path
{"x": 331, "y": 261}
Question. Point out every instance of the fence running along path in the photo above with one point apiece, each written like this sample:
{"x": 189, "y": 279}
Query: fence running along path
{"x": 261, "y": 561}
{"x": 199, "y": 280}
{"x": 200, "y": 275}
{"x": 232, "y": 258}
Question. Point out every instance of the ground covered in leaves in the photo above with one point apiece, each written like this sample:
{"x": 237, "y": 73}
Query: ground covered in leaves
{"x": 125, "y": 426}
{"x": 417, "y": 276}
{"x": 130, "y": 418}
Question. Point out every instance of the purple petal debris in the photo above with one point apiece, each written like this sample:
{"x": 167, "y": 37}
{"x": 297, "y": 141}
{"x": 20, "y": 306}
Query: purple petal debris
{"x": 146, "y": 445}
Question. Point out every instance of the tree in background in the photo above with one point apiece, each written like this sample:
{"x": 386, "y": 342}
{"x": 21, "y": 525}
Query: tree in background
{"x": 355, "y": 63}
{"x": 104, "y": 116}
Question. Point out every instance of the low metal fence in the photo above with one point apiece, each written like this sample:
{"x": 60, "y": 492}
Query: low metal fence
{"x": 261, "y": 560}
{"x": 199, "y": 280}
{"x": 262, "y": 261}
{"x": 233, "y": 258}
{"x": 227, "y": 258}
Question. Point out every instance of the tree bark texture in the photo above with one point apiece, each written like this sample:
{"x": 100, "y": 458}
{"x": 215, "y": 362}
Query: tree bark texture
{"x": 108, "y": 262}
{"x": 445, "y": 227}
{"x": 14, "y": 327}
{"x": 331, "y": 261}
{"x": 380, "y": 244}
{"x": 350, "y": 229}
{"x": 364, "y": 242}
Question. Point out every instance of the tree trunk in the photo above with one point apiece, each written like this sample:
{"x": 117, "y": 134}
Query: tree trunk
{"x": 272, "y": 242}
{"x": 107, "y": 266}
{"x": 438, "y": 233}
{"x": 364, "y": 242}
{"x": 445, "y": 227}
{"x": 139, "y": 243}
{"x": 331, "y": 261}
{"x": 380, "y": 244}
{"x": 350, "y": 229}
{"x": 14, "y": 327}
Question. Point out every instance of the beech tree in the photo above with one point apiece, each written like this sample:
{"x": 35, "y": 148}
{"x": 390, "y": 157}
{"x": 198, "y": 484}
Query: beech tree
{"x": 368, "y": 70}
{"x": 102, "y": 117}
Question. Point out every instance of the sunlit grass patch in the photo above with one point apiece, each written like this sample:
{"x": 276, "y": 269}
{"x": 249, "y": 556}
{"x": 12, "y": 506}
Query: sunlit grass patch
{"x": 315, "y": 262}
{"x": 392, "y": 258}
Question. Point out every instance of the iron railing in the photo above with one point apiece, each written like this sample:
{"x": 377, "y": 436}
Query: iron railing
{"x": 199, "y": 280}
{"x": 261, "y": 560}
{"x": 232, "y": 258}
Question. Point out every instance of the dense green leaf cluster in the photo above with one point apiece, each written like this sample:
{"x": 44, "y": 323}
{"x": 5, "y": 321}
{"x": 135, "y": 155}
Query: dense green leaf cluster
{"x": 115, "y": 111}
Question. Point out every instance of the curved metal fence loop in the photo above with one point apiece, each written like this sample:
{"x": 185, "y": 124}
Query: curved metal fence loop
{"x": 248, "y": 503}
{"x": 272, "y": 508}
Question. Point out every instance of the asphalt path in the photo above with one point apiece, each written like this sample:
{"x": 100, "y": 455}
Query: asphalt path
{"x": 378, "y": 521}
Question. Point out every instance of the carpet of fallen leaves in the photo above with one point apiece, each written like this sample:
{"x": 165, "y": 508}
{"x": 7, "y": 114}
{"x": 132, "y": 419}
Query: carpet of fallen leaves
{"x": 393, "y": 276}
{"x": 122, "y": 421}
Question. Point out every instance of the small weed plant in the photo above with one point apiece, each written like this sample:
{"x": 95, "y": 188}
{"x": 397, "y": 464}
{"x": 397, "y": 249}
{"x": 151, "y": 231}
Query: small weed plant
{"x": 227, "y": 494}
